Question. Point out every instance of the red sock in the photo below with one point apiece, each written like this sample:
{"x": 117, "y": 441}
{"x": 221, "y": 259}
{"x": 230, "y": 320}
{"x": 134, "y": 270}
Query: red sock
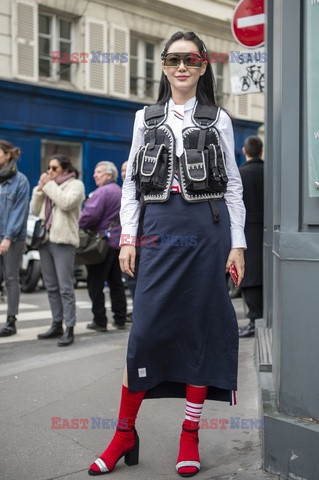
{"x": 129, "y": 407}
{"x": 188, "y": 450}
{"x": 124, "y": 437}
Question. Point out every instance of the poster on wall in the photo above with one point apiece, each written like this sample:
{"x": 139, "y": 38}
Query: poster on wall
{"x": 312, "y": 97}
{"x": 247, "y": 71}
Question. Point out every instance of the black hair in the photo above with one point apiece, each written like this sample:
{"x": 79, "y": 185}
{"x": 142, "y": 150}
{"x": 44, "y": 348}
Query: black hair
{"x": 253, "y": 146}
{"x": 206, "y": 86}
{"x": 65, "y": 163}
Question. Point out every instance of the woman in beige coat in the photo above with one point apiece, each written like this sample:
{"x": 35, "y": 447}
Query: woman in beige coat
{"x": 57, "y": 201}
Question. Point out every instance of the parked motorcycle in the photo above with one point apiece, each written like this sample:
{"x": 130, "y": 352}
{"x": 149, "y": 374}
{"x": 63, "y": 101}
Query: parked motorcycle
{"x": 30, "y": 272}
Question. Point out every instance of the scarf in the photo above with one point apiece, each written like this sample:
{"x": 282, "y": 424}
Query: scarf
{"x": 8, "y": 171}
{"x": 48, "y": 202}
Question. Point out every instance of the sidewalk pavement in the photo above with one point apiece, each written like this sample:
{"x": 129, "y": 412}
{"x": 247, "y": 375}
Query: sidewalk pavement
{"x": 84, "y": 381}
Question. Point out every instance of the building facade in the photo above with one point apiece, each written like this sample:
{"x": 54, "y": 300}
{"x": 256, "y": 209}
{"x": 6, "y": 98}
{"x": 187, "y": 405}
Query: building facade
{"x": 73, "y": 74}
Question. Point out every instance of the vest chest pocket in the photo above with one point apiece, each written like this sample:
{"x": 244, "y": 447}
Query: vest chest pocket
{"x": 204, "y": 171}
{"x": 194, "y": 165}
{"x": 151, "y": 168}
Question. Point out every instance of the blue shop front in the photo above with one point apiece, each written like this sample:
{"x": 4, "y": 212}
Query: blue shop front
{"x": 88, "y": 128}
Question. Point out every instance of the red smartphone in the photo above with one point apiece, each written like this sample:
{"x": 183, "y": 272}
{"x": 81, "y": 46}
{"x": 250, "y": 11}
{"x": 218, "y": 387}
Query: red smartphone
{"x": 233, "y": 273}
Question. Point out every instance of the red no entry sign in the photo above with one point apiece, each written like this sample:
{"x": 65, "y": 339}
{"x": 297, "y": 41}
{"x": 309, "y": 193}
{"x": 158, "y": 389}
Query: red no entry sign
{"x": 248, "y": 23}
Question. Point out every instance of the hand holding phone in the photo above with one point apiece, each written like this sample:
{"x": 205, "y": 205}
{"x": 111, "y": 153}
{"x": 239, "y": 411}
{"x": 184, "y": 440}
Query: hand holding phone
{"x": 233, "y": 273}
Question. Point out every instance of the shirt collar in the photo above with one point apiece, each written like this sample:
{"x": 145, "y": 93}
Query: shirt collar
{"x": 189, "y": 105}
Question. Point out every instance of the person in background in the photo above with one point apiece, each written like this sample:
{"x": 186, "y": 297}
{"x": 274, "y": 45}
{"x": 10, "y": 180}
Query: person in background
{"x": 123, "y": 170}
{"x": 57, "y": 200}
{"x": 101, "y": 215}
{"x": 252, "y": 175}
{"x": 2, "y": 290}
{"x": 14, "y": 204}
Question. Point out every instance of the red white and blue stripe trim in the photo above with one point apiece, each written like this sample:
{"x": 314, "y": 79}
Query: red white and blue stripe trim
{"x": 178, "y": 115}
{"x": 233, "y": 399}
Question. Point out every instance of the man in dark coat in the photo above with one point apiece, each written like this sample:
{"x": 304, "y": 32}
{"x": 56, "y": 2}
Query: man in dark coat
{"x": 252, "y": 174}
{"x": 101, "y": 215}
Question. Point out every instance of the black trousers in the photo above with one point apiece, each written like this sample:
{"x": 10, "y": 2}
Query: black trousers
{"x": 109, "y": 271}
{"x": 253, "y": 297}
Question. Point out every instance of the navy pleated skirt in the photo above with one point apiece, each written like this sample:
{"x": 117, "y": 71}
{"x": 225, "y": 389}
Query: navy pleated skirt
{"x": 184, "y": 327}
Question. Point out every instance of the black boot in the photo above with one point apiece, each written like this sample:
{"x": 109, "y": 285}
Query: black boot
{"x": 55, "y": 331}
{"x": 67, "y": 338}
{"x": 9, "y": 328}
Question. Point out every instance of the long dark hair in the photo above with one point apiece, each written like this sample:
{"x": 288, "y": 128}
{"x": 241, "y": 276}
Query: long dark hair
{"x": 206, "y": 86}
{"x": 65, "y": 163}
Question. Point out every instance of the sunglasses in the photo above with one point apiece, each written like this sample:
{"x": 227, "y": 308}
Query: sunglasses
{"x": 190, "y": 59}
{"x": 52, "y": 167}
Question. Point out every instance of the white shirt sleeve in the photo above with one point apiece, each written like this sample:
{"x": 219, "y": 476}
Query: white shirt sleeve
{"x": 234, "y": 194}
{"x": 130, "y": 207}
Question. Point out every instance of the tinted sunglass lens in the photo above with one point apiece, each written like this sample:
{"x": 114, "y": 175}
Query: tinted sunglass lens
{"x": 189, "y": 60}
{"x": 192, "y": 61}
{"x": 172, "y": 61}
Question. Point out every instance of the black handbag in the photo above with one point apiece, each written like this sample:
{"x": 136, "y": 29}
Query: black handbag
{"x": 93, "y": 246}
{"x": 92, "y": 249}
{"x": 36, "y": 232}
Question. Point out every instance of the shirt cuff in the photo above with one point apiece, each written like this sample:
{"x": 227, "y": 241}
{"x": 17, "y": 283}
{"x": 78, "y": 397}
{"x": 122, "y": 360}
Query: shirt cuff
{"x": 238, "y": 239}
{"x": 128, "y": 236}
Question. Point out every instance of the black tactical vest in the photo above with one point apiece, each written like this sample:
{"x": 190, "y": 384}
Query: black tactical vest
{"x": 201, "y": 168}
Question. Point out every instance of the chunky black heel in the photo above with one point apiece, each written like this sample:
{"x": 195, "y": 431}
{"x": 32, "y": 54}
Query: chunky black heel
{"x": 131, "y": 457}
{"x": 99, "y": 467}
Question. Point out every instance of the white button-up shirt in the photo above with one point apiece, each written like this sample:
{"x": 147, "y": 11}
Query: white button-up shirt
{"x": 179, "y": 117}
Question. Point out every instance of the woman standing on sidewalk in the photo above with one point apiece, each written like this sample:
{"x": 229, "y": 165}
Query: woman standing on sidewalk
{"x": 57, "y": 201}
{"x": 14, "y": 203}
{"x": 184, "y": 336}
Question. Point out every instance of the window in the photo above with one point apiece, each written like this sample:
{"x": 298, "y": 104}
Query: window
{"x": 143, "y": 68}
{"x": 55, "y": 34}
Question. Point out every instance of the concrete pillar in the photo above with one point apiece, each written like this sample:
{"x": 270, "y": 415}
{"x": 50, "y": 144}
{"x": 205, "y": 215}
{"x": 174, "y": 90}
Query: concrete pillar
{"x": 290, "y": 393}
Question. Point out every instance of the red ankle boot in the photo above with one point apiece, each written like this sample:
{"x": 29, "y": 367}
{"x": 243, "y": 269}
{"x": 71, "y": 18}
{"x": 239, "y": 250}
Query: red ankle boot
{"x": 188, "y": 463}
{"x": 124, "y": 443}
